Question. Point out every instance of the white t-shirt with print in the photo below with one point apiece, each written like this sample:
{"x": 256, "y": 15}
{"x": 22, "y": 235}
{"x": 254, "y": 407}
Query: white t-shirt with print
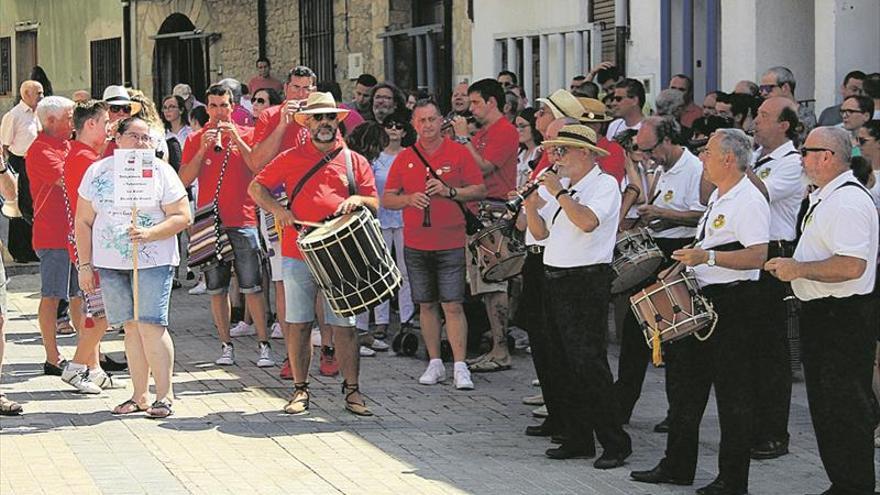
{"x": 111, "y": 246}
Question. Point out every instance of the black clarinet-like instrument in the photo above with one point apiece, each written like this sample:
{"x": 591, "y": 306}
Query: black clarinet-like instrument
{"x": 426, "y": 213}
{"x": 527, "y": 189}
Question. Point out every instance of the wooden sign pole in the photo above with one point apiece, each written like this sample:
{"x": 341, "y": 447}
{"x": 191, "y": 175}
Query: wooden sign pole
{"x": 134, "y": 273}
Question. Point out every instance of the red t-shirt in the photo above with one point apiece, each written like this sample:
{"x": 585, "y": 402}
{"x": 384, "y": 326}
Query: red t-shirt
{"x": 295, "y": 135}
{"x": 322, "y": 193}
{"x": 615, "y": 163}
{"x": 80, "y": 158}
{"x": 543, "y": 163}
{"x": 456, "y": 166}
{"x": 109, "y": 149}
{"x": 499, "y": 145}
{"x": 237, "y": 208}
{"x": 45, "y": 166}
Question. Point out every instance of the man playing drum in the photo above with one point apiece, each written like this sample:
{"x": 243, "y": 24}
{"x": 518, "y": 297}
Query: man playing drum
{"x": 579, "y": 222}
{"x": 730, "y": 249}
{"x": 435, "y": 255}
{"x": 204, "y": 155}
{"x": 321, "y": 195}
{"x": 671, "y": 214}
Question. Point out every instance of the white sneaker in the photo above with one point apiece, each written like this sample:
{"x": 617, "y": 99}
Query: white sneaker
{"x": 276, "y": 331}
{"x": 242, "y": 329}
{"x": 316, "y": 337}
{"x": 199, "y": 289}
{"x": 462, "y": 379}
{"x": 265, "y": 360}
{"x": 367, "y": 352}
{"x": 101, "y": 378}
{"x": 379, "y": 345}
{"x": 227, "y": 356}
{"x": 540, "y": 412}
{"x": 79, "y": 379}
{"x": 434, "y": 374}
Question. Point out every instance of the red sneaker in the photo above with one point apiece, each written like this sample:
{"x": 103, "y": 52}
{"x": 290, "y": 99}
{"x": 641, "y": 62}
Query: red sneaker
{"x": 286, "y": 374}
{"x": 329, "y": 366}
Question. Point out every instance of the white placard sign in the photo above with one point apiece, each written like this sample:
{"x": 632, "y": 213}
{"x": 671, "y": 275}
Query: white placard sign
{"x": 133, "y": 178}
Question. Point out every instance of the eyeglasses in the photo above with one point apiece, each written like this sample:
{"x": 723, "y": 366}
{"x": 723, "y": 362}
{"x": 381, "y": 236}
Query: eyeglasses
{"x": 805, "y": 151}
{"x": 559, "y": 151}
{"x": 118, "y": 109}
{"x": 261, "y": 101}
{"x": 394, "y": 125}
{"x": 863, "y": 141}
{"x": 766, "y": 88}
{"x": 143, "y": 138}
{"x": 618, "y": 98}
{"x": 846, "y": 112}
{"x": 646, "y": 150}
{"x": 321, "y": 116}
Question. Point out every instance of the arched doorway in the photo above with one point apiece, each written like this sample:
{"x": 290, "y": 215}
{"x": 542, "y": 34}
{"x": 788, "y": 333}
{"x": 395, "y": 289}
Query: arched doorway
{"x": 180, "y": 56}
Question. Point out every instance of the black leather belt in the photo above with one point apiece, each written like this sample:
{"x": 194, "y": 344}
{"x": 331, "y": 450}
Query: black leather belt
{"x": 535, "y": 249}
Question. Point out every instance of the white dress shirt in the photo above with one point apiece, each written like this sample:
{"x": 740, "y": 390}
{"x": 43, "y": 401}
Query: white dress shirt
{"x": 741, "y": 215}
{"x": 569, "y": 246}
{"x": 19, "y": 128}
{"x": 619, "y": 125}
{"x": 786, "y": 184}
{"x": 826, "y": 233}
{"x": 679, "y": 189}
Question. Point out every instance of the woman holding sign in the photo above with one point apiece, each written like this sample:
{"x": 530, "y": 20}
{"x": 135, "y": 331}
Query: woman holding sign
{"x": 135, "y": 260}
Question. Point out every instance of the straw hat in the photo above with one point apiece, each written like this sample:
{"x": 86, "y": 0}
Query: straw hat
{"x": 118, "y": 96}
{"x": 576, "y": 136}
{"x": 563, "y": 104}
{"x": 320, "y": 103}
{"x": 593, "y": 111}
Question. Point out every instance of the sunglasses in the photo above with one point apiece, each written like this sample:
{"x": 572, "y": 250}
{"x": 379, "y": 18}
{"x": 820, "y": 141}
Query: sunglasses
{"x": 560, "y": 151}
{"x": 766, "y": 88}
{"x": 261, "y": 101}
{"x": 805, "y": 151}
{"x": 618, "y": 98}
{"x": 394, "y": 125}
{"x": 321, "y": 116}
{"x": 118, "y": 109}
{"x": 650, "y": 150}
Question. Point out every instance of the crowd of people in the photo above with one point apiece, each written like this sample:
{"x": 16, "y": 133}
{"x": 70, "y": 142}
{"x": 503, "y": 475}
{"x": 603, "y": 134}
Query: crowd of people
{"x": 772, "y": 212}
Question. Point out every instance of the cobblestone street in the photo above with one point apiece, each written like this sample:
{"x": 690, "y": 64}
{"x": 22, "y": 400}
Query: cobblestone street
{"x": 228, "y": 435}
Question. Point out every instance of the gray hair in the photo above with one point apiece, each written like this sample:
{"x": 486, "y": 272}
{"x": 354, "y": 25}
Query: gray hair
{"x": 670, "y": 102}
{"x": 838, "y": 140}
{"x": 234, "y": 88}
{"x": 664, "y": 127}
{"x": 53, "y": 106}
{"x": 737, "y": 142}
{"x": 783, "y": 76}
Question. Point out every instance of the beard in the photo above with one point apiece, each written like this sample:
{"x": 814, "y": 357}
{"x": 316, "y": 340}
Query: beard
{"x": 324, "y": 134}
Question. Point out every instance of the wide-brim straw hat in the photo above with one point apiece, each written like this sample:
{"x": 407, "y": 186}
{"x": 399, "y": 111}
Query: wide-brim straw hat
{"x": 563, "y": 104}
{"x": 594, "y": 111}
{"x": 118, "y": 96}
{"x": 320, "y": 103}
{"x": 576, "y": 136}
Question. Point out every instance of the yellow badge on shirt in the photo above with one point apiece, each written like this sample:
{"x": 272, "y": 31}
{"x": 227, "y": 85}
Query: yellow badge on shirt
{"x": 764, "y": 173}
{"x": 668, "y": 196}
{"x": 718, "y": 222}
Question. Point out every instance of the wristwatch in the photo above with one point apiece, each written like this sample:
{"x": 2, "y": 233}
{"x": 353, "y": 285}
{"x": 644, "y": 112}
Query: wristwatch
{"x": 452, "y": 192}
{"x": 711, "y": 261}
{"x": 462, "y": 139}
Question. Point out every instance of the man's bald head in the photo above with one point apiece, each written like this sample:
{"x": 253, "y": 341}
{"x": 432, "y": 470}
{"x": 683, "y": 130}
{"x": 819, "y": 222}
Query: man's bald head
{"x": 31, "y": 93}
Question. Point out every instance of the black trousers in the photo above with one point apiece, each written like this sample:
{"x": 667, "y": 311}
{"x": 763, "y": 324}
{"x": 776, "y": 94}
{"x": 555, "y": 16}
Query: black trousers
{"x": 771, "y": 374}
{"x": 723, "y": 360}
{"x": 576, "y": 306}
{"x": 20, "y": 232}
{"x": 530, "y": 315}
{"x": 838, "y": 338}
{"x": 634, "y": 351}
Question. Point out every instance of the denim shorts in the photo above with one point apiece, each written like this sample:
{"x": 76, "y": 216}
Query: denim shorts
{"x": 57, "y": 274}
{"x": 436, "y": 276}
{"x": 247, "y": 264}
{"x": 300, "y": 291}
{"x": 154, "y": 294}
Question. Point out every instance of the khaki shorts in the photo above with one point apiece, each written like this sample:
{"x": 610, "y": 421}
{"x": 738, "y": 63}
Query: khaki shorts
{"x": 475, "y": 279}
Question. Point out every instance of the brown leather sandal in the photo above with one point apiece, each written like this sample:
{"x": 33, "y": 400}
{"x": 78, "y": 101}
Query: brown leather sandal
{"x": 300, "y": 401}
{"x": 358, "y": 408}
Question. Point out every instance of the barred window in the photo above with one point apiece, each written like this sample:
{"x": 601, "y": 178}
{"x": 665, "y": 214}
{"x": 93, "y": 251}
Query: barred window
{"x": 106, "y": 59}
{"x": 5, "y": 65}
{"x": 316, "y": 37}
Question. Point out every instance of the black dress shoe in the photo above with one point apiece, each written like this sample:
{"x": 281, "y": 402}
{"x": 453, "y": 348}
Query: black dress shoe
{"x": 659, "y": 475}
{"x": 541, "y": 430}
{"x": 720, "y": 487}
{"x": 559, "y": 439}
{"x": 53, "y": 370}
{"x": 108, "y": 364}
{"x": 611, "y": 460}
{"x": 662, "y": 427}
{"x": 771, "y": 449}
{"x": 570, "y": 452}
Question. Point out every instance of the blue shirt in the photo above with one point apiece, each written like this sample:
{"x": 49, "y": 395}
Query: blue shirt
{"x": 388, "y": 219}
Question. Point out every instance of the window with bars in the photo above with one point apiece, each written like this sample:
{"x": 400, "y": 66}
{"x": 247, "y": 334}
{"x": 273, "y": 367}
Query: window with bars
{"x": 5, "y": 66}
{"x": 316, "y": 37}
{"x": 106, "y": 60}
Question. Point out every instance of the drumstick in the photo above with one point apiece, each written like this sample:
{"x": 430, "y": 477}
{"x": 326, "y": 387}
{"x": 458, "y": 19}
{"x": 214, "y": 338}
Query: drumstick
{"x": 309, "y": 224}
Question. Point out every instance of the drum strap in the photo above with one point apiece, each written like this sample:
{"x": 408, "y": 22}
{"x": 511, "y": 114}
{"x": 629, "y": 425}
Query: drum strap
{"x": 807, "y": 210}
{"x": 312, "y": 171}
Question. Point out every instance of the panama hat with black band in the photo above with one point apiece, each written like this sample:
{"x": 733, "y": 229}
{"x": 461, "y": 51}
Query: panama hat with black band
{"x": 576, "y": 136}
{"x": 320, "y": 103}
